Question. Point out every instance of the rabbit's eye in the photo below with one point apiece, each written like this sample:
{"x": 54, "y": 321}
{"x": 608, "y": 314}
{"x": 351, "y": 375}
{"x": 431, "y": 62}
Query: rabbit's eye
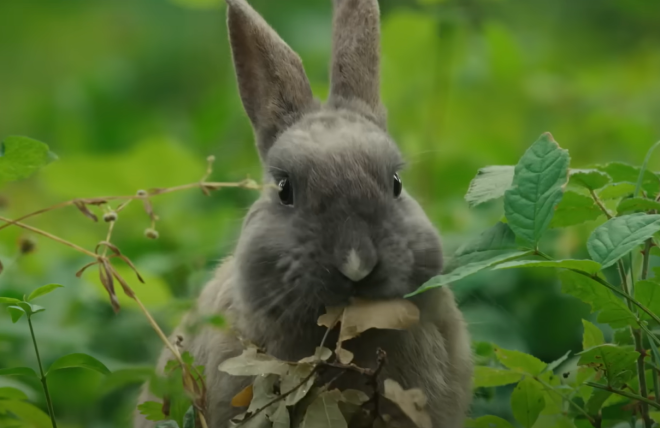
{"x": 398, "y": 185}
{"x": 286, "y": 191}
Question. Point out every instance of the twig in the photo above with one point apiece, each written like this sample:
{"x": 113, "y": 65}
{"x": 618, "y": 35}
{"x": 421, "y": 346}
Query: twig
{"x": 600, "y": 204}
{"x": 373, "y": 382}
{"x": 624, "y": 394}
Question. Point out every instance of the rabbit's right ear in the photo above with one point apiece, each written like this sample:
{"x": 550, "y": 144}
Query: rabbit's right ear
{"x": 271, "y": 79}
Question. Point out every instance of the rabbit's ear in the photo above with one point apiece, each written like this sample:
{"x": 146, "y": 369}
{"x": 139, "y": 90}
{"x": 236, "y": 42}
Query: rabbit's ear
{"x": 271, "y": 79}
{"x": 355, "y": 70}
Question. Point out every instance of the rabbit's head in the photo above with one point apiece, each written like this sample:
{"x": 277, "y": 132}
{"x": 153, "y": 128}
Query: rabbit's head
{"x": 337, "y": 222}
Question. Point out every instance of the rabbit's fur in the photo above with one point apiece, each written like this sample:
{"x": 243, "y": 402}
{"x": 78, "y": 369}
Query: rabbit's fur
{"x": 345, "y": 217}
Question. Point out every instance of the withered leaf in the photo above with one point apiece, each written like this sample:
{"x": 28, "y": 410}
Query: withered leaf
{"x": 293, "y": 379}
{"x": 243, "y": 398}
{"x": 281, "y": 418}
{"x": 324, "y": 412}
{"x": 412, "y": 402}
{"x": 252, "y": 363}
{"x": 263, "y": 393}
{"x": 124, "y": 285}
{"x": 331, "y": 317}
{"x": 82, "y": 269}
{"x": 351, "y": 402}
{"x": 106, "y": 279}
{"x": 321, "y": 353}
{"x": 82, "y": 207}
{"x": 343, "y": 355}
{"x": 2, "y": 267}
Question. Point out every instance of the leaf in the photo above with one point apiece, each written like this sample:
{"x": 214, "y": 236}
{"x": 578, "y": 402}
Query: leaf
{"x": 293, "y": 379}
{"x": 623, "y": 172}
{"x": 520, "y": 362}
{"x": 620, "y": 235}
{"x": 538, "y": 186}
{"x": 321, "y": 353}
{"x": 18, "y": 371}
{"x": 351, "y": 403}
{"x": 167, "y": 424}
{"x": 612, "y": 310}
{"x": 575, "y": 209}
{"x": 243, "y": 398}
{"x": 189, "y": 418}
{"x": 616, "y": 191}
{"x": 281, "y": 418}
{"x": 344, "y": 355}
{"x": 556, "y": 363}
{"x": 412, "y": 402}
{"x": 324, "y": 412}
{"x": 527, "y": 402}
{"x": 152, "y": 410}
{"x": 123, "y": 377}
{"x": 643, "y": 171}
{"x": 592, "y": 336}
{"x": 486, "y": 377}
{"x": 20, "y": 157}
{"x": 596, "y": 400}
{"x": 648, "y": 294}
{"x": 589, "y": 266}
{"x": 43, "y": 291}
{"x": 79, "y": 360}
{"x": 12, "y": 393}
{"x": 15, "y": 313}
{"x": 263, "y": 393}
{"x": 487, "y": 422}
{"x": 490, "y": 183}
{"x": 616, "y": 362}
{"x": 9, "y": 300}
{"x": 252, "y": 363}
{"x": 637, "y": 204}
{"x": 30, "y": 414}
{"x": 591, "y": 179}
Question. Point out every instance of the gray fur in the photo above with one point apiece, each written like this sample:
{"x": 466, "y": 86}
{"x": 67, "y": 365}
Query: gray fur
{"x": 286, "y": 267}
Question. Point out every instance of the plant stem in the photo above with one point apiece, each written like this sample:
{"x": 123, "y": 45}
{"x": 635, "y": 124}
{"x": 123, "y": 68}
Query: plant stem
{"x": 571, "y": 402}
{"x": 630, "y": 395}
{"x": 600, "y": 204}
{"x": 43, "y": 376}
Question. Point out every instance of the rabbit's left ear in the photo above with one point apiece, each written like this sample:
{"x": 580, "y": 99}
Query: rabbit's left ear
{"x": 271, "y": 79}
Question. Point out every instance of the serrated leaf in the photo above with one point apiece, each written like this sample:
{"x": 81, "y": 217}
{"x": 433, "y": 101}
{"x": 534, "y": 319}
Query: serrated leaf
{"x": 519, "y": 361}
{"x": 648, "y": 294}
{"x": 487, "y": 422}
{"x": 538, "y": 186}
{"x": 612, "y": 310}
{"x": 486, "y": 377}
{"x": 252, "y": 363}
{"x": 616, "y": 191}
{"x": 618, "y": 236}
{"x": 616, "y": 362}
{"x": 623, "y": 172}
{"x": 575, "y": 209}
{"x": 79, "y": 360}
{"x": 15, "y": 313}
{"x": 589, "y": 266}
{"x": 412, "y": 402}
{"x": 41, "y": 291}
{"x": 591, "y": 179}
{"x": 324, "y": 412}
{"x": 527, "y": 402}
{"x": 636, "y": 204}
{"x": 18, "y": 371}
{"x": 29, "y": 414}
{"x": 592, "y": 336}
{"x": 152, "y": 410}
{"x": 490, "y": 183}
{"x": 12, "y": 393}
{"x": 496, "y": 241}
{"x": 281, "y": 418}
{"x": 20, "y": 157}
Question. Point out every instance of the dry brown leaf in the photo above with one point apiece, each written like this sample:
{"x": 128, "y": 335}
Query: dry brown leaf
{"x": 252, "y": 363}
{"x": 331, "y": 317}
{"x": 412, "y": 402}
{"x": 243, "y": 398}
{"x": 343, "y": 355}
{"x": 397, "y": 314}
{"x": 82, "y": 207}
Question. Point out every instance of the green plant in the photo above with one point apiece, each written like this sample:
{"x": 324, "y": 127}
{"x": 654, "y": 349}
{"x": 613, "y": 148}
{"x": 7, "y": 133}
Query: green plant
{"x": 613, "y": 381}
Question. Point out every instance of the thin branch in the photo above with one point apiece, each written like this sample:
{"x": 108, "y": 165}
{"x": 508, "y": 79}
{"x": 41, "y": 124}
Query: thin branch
{"x": 567, "y": 399}
{"x": 624, "y": 394}
{"x": 600, "y": 204}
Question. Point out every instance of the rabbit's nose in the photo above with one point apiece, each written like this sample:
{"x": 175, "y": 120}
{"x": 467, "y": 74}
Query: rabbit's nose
{"x": 355, "y": 267}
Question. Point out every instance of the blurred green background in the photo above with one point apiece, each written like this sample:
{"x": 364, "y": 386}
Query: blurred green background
{"x": 136, "y": 94}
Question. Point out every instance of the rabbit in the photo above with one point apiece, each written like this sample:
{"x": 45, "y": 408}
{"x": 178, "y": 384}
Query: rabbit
{"x": 335, "y": 223}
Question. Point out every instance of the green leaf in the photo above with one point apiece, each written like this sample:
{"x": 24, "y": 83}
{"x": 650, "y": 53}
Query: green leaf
{"x": 20, "y": 157}
{"x": 527, "y": 402}
{"x": 16, "y": 313}
{"x": 623, "y": 172}
{"x": 596, "y": 400}
{"x": 152, "y": 410}
{"x": 9, "y": 300}
{"x": 520, "y": 362}
{"x": 30, "y": 414}
{"x": 121, "y": 378}
{"x": 637, "y": 204}
{"x": 537, "y": 189}
{"x": 167, "y": 424}
{"x": 616, "y": 362}
{"x": 575, "y": 209}
{"x": 30, "y": 308}
{"x": 588, "y": 266}
{"x": 324, "y": 412}
{"x": 616, "y": 191}
{"x": 490, "y": 183}
{"x": 83, "y": 361}
{"x": 556, "y": 363}
{"x": 591, "y": 179}
{"x": 189, "y": 418}
{"x": 487, "y": 422}
{"x": 12, "y": 393}
{"x": 592, "y": 335}
{"x": 486, "y": 377}
{"x": 618, "y": 236}
{"x": 43, "y": 290}
{"x": 613, "y": 310}
{"x": 18, "y": 371}
{"x": 648, "y": 294}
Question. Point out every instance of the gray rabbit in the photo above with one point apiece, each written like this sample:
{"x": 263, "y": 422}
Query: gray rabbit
{"x": 336, "y": 224}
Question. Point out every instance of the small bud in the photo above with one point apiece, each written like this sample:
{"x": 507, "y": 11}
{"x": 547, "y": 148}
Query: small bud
{"x": 110, "y": 217}
{"x": 210, "y": 159}
{"x": 26, "y": 245}
{"x": 142, "y": 193}
{"x": 151, "y": 233}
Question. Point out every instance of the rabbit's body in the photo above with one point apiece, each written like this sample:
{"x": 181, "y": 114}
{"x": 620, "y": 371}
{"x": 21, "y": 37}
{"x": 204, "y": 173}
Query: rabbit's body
{"x": 334, "y": 223}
